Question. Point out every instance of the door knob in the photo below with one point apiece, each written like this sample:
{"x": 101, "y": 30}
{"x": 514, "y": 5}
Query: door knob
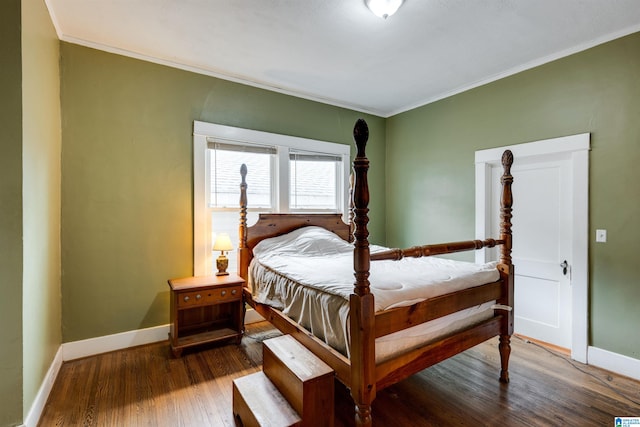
{"x": 564, "y": 266}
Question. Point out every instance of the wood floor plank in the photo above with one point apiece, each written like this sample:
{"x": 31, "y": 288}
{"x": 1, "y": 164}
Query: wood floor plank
{"x": 146, "y": 386}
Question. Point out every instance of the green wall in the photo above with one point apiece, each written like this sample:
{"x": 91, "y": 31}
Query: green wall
{"x": 127, "y": 178}
{"x": 30, "y": 143}
{"x": 10, "y": 214}
{"x": 430, "y": 166}
{"x": 41, "y": 147}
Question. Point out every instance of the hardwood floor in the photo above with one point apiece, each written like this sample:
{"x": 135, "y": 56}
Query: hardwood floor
{"x": 145, "y": 386}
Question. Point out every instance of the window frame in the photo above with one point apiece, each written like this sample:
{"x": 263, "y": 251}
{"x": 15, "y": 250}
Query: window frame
{"x": 202, "y": 245}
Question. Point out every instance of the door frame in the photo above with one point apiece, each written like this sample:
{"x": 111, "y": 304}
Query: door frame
{"x": 576, "y": 149}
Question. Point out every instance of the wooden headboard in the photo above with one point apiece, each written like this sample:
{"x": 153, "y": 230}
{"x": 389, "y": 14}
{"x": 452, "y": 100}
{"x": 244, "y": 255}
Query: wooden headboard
{"x": 272, "y": 225}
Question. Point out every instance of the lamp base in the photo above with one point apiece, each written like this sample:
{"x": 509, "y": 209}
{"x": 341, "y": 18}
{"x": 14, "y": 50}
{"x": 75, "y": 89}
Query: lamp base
{"x": 222, "y": 262}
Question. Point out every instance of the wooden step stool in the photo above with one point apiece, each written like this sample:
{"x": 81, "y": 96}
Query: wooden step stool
{"x": 294, "y": 389}
{"x": 257, "y": 402}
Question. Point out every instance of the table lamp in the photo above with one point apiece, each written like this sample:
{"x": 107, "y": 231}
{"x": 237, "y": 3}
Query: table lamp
{"x": 222, "y": 244}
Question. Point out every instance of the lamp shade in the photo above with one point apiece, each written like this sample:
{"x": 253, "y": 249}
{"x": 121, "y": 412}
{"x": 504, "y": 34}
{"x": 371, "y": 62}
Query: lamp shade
{"x": 222, "y": 243}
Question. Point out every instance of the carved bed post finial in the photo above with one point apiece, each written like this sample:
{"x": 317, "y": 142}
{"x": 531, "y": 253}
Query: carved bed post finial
{"x": 243, "y": 261}
{"x": 361, "y": 208}
{"x": 506, "y": 203}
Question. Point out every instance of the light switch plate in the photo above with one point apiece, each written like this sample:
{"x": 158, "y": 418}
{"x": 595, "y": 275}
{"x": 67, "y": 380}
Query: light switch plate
{"x": 601, "y": 236}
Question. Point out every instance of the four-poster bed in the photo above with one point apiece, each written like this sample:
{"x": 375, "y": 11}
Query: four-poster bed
{"x": 357, "y": 365}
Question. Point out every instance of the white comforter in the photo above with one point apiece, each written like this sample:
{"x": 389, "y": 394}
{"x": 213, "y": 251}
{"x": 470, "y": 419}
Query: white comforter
{"x": 319, "y": 259}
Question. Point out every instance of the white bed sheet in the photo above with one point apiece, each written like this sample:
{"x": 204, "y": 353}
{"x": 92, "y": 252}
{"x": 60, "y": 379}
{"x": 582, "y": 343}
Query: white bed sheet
{"x": 308, "y": 275}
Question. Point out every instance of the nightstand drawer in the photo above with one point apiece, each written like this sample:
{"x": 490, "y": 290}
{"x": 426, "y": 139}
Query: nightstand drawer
{"x": 192, "y": 299}
{"x": 231, "y": 293}
{"x": 209, "y": 296}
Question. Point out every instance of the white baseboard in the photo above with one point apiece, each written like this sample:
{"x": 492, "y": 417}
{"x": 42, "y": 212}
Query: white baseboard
{"x": 92, "y": 346}
{"x": 614, "y": 362}
{"x": 43, "y": 393}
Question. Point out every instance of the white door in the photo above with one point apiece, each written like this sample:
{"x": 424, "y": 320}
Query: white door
{"x": 541, "y": 249}
{"x": 550, "y": 226}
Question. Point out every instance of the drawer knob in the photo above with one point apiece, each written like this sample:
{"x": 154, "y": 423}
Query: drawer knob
{"x": 233, "y": 292}
{"x": 223, "y": 293}
{"x": 186, "y": 298}
{"x": 198, "y": 297}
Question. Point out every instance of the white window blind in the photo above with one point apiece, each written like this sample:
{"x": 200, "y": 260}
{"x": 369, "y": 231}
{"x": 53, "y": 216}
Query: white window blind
{"x": 224, "y": 174}
{"x": 313, "y": 179}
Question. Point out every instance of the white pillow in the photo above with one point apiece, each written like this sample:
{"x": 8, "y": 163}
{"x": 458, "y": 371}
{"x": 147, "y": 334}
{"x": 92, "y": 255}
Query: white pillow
{"x": 305, "y": 241}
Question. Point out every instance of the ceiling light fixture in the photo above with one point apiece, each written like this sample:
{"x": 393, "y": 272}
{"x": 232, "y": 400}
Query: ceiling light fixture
{"x": 383, "y": 8}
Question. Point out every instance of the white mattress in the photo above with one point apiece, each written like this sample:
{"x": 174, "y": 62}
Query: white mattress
{"x": 308, "y": 275}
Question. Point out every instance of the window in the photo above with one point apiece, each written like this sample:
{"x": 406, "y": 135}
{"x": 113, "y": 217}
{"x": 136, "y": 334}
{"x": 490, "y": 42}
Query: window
{"x": 225, "y": 160}
{"x": 312, "y": 181}
{"x": 285, "y": 174}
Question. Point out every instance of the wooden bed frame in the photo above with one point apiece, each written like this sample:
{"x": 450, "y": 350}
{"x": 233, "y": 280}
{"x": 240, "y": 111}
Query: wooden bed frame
{"x": 360, "y": 373}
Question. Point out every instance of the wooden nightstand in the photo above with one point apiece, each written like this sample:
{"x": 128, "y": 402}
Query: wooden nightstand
{"x": 205, "y": 309}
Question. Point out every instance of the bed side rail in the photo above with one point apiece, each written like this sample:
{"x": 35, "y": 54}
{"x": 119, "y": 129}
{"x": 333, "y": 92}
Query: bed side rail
{"x": 437, "y": 249}
{"x": 398, "y": 319}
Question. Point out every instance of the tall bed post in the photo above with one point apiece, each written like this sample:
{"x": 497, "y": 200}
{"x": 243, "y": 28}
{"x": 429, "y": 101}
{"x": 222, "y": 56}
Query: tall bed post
{"x": 351, "y": 214}
{"x": 362, "y": 314}
{"x": 506, "y": 266}
{"x": 243, "y": 250}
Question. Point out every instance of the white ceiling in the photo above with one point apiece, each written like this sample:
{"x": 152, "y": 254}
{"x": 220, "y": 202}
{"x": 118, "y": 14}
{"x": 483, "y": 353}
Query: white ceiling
{"x": 338, "y": 52}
